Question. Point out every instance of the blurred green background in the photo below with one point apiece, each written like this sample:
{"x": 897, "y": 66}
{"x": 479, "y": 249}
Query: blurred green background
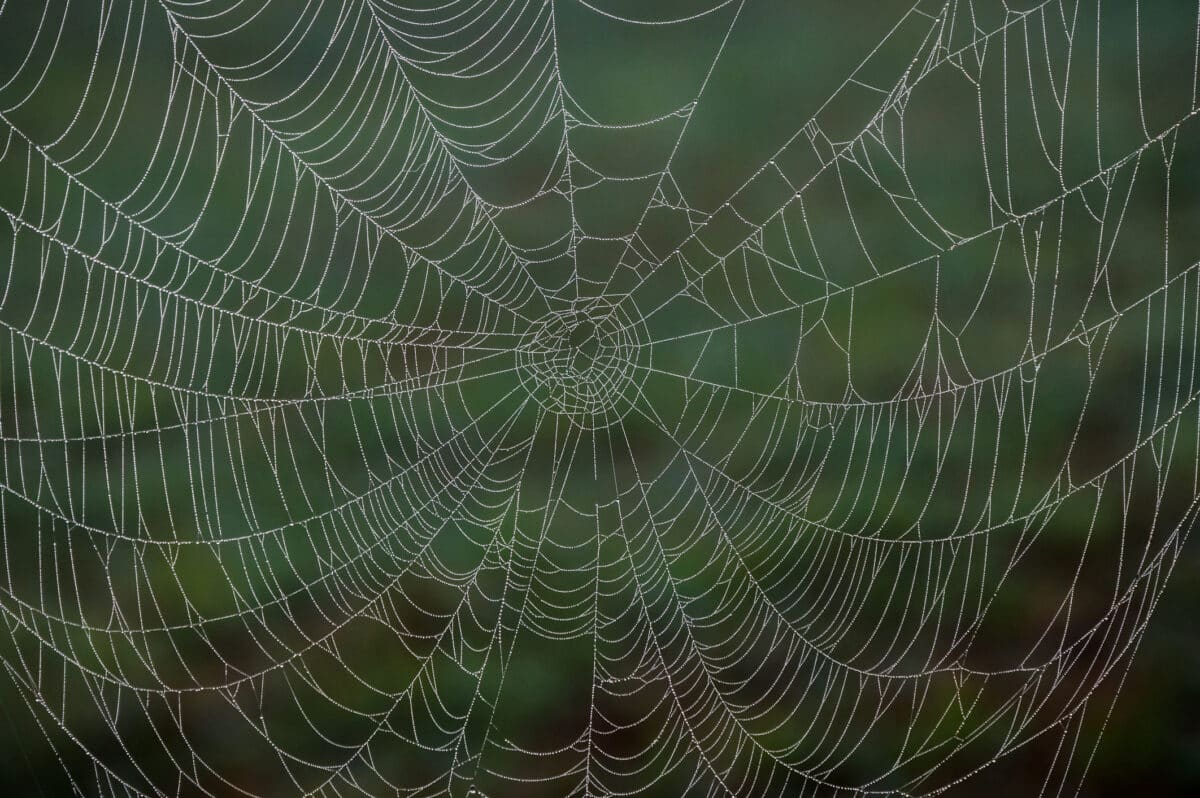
{"x": 980, "y": 315}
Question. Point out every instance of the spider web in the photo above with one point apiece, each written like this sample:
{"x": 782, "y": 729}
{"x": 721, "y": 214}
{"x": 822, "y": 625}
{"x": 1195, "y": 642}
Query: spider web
{"x": 427, "y": 399}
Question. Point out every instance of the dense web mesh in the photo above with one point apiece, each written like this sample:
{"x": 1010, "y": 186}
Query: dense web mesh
{"x": 473, "y": 397}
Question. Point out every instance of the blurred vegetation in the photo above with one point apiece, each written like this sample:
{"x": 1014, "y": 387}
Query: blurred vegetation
{"x": 1092, "y": 406}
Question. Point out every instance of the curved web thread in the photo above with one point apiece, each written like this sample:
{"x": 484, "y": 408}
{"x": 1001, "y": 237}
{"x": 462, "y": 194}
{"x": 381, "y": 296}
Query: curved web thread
{"x": 419, "y": 400}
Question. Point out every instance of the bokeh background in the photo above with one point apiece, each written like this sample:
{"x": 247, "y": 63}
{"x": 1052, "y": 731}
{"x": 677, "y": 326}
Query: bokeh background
{"x": 779, "y": 65}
